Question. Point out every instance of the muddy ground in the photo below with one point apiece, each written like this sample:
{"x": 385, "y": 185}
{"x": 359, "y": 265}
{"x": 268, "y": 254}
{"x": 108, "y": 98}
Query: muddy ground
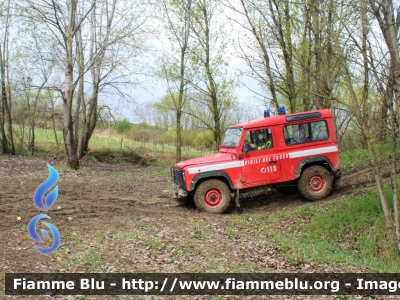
{"x": 100, "y": 191}
{"x": 101, "y": 196}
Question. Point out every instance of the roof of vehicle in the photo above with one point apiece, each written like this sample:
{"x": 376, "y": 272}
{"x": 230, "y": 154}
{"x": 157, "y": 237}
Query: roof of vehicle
{"x": 283, "y": 119}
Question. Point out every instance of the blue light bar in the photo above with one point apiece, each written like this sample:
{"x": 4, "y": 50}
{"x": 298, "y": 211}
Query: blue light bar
{"x": 282, "y": 110}
{"x": 266, "y": 113}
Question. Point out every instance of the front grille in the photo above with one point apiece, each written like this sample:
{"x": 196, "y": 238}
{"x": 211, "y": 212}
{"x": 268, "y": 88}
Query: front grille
{"x": 178, "y": 177}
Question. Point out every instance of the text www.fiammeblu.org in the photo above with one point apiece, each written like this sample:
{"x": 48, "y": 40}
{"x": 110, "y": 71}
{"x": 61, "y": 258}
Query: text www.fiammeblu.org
{"x": 233, "y": 284}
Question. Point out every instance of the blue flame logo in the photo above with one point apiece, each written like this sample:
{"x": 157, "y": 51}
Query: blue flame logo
{"x": 49, "y": 201}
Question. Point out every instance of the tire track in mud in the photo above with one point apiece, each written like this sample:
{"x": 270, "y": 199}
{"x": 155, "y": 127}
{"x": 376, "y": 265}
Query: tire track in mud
{"x": 271, "y": 200}
{"x": 98, "y": 195}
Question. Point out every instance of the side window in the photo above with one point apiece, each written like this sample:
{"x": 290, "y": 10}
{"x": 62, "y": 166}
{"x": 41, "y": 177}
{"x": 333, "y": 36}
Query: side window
{"x": 319, "y": 130}
{"x": 259, "y": 139}
{"x": 305, "y": 132}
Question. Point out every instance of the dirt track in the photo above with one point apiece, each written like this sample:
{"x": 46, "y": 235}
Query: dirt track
{"x": 104, "y": 195}
{"x": 101, "y": 191}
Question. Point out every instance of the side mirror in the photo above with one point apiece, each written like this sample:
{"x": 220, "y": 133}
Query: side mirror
{"x": 244, "y": 150}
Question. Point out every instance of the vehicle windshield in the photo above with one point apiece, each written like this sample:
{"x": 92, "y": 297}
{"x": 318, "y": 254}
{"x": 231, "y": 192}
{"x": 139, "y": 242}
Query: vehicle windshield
{"x": 232, "y": 137}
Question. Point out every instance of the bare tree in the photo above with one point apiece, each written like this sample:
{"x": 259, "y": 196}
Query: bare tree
{"x": 288, "y": 50}
{"x": 100, "y": 41}
{"x": 62, "y": 20}
{"x": 178, "y": 18}
{"x": 35, "y": 71}
{"x": 260, "y": 64}
{"x": 209, "y": 52}
{"x": 117, "y": 36}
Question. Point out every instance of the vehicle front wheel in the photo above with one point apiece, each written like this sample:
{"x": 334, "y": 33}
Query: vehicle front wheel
{"x": 315, "y": 183}
{"x": 212, "y": 196}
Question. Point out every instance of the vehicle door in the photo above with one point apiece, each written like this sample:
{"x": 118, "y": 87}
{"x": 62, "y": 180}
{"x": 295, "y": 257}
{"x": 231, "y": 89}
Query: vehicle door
{"x": 259, "y": 155}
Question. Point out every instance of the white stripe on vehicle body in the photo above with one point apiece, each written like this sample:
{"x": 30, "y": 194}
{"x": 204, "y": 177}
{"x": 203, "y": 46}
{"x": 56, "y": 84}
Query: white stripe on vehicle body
{"x": 236, "y": 164}
{"x": 313, "y": 152}
{"x": 222, "y": 166}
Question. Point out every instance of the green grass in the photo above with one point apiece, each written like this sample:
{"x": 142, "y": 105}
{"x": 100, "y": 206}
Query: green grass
{"x": 345, "y": 232}
{"x": 355, "y": 158}
{"x": 360, "y": 157}
{"x": 91, "y": 259}
{"x": 76, "y": 238}
{"x": 356, "y": 228}
{"x": 45, "y": 146}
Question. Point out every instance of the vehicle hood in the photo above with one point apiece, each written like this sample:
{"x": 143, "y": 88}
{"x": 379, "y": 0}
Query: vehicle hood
{"x": 209, "y": 159}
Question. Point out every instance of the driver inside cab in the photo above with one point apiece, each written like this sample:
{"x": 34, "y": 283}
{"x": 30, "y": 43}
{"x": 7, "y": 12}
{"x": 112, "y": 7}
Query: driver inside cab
{"x": 260, "y": 140}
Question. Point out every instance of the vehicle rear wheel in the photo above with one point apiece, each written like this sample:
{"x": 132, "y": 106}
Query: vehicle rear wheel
{"x": 315, "y": 183}
{"x": 212, "y": 196}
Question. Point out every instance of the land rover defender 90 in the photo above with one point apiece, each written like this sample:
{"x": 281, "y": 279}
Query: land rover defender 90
{"x": 286, "y": 152}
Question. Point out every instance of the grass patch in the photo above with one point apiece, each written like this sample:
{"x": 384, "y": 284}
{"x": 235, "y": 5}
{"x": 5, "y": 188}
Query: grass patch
{"x": 350, "y": 231}
{"x": 125, "y": 150}
{"x": 360, "y": 157}
{"x": 162, "y": 172}
{"x": 76, "y": 238}
{"x": 355, "y": 158}
{"x": 91, "y": 259}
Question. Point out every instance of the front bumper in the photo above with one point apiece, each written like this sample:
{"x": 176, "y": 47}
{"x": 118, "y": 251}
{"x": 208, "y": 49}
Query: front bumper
{"x": 178, "y": 191}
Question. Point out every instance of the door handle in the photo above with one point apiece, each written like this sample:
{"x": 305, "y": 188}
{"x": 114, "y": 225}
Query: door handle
{"x": 273, "y": 161}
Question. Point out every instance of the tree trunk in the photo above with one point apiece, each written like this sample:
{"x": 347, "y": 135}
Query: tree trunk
{"x": 178, "y": 157}
{"x": 7, "y": 142}
{"x": 182, "y": 83}
{"x": 211, "y": 83}
{"x": 393, "y": 177}
{"x": 91, "y": 121}
{"x": 4, "y": 141}
{"x": 317, "y": 53}
{"x": 181, "y": 32}
{"x": 53, "y": 118}
{"x": 32, "y": 139}
{"x": 68, "y": 93}
{"x": 80, "y": 110}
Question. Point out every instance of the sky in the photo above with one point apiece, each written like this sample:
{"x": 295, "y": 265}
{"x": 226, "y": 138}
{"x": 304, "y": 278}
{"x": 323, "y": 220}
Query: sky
{"x": 154, "y": 89}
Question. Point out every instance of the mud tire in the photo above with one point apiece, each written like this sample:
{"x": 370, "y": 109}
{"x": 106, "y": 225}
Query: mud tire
{"x": 212, "y": 196}
{"x": 315, "y": 183}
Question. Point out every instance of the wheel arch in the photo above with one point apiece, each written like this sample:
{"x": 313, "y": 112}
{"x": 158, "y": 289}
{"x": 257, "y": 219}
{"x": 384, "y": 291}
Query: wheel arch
{"x": 220, "y": 175}
{"x": 322, "y": 161}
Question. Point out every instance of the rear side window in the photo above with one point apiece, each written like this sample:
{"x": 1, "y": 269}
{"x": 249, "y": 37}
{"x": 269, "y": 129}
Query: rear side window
{"x": 305, "y": 132}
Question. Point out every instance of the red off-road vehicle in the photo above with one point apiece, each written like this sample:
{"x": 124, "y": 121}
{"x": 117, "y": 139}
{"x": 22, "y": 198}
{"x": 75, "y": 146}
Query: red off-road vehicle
{"x": 286, "y": 152}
